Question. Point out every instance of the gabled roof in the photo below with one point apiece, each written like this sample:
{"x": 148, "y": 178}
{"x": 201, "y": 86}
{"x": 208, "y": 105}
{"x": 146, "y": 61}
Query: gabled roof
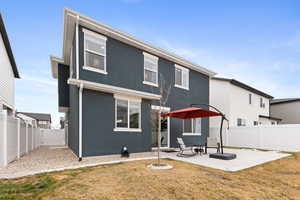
{"x": 286, "y": 100}
{"x": 38, "y": 116}
{"x": 8, "y": 48}
{"x": 244, "y": 86}
{"x": 71, "y": 17}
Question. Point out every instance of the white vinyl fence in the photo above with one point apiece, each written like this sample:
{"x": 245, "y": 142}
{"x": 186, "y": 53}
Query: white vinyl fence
{"x": 52, "y": 137}
{"x": 269, "y": 137}
{"x": 16, "y": 138}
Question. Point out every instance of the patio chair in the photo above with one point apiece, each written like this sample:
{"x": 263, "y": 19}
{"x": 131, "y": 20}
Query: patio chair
{"x": 183, "y": 149}
{"x": 212, "y": 142}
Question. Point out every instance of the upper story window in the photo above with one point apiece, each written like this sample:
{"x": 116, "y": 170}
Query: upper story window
{"x": 94, "y": 52}
{"x": 250, "y": 99}
{"x": 128, "y": 114}
{"x": 192, "y": 126}
{"x": 150, "y": 69}
{"x": 262, "y": 104}
{"x": 181, "y": 77}
{"x": 241, "y": 122}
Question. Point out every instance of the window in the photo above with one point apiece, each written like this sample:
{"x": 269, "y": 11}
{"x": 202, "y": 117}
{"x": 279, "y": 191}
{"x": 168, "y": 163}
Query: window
{"x": 262, "y": 105}
{"x": 128, "y": 114}
{"x": 255, "y": 123}
{"x": 192, "y": 126}
{"x": 241, "y": 122}
{"x": 250, "y": 98}
{"x": 150, "y": 69}
{"x": 181, "y": 77}
{"x": 94, "y": 52}
{"x": 273, "y": 123}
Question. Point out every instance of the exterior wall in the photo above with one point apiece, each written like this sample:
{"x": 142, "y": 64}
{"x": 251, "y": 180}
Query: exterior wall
{"x": 234, "y": 102}
{"x": 63, "y": 87}
{"x": 125, "y": 68}
{"x": 73, "y": 140}
{"x": 240, "y": 107}
{"x": 219, "y": 97}
{"x": 288, "y": 112}
{"x": 7, "y": 84}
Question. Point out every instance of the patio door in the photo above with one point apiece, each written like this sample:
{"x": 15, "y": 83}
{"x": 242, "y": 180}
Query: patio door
{"x": 165, "y": 128}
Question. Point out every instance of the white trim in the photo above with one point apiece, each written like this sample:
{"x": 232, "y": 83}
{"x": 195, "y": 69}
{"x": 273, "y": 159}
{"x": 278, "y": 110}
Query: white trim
{"x": 150, "y": 83}
{"x": 129, "y": 100}
{"x": 80, "y": 121}
{"x": 167, "y": 109}
{"x": 179, "y": 86}
{"x": 88, "y": 33}
{"x": 113, "y": 89}
{"x": 94, "y": 34}
{"x": 191, "y": 134}
{"x": 150, "y": 56}
{"x": 94, "y": 70}
{"x": 183, "y": 70}
{"x": 126, "y": 97}
{"x": 127, "y": 130}
{"x": 92, "y": 24}
{"x": 54, "y": 65}
{"x": 77, "y": 47}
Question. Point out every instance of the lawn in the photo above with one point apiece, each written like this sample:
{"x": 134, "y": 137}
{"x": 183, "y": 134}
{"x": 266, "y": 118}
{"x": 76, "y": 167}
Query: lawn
{"x": 133, "y": 180}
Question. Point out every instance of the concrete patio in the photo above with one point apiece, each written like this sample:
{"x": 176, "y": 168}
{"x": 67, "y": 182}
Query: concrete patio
{"x": 51, "y": 158}
{"x": 246, "y": 158}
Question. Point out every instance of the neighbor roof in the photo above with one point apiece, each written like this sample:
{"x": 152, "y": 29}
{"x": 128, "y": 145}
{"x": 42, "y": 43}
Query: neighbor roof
{"x": 38, "y": 116}
{"x": 8, "y": 48}
{"x": 286, "y": 100}
{"x": 244, "y": 86}
{"x": 71, "y": 17}
{"x": 269, "y": 117}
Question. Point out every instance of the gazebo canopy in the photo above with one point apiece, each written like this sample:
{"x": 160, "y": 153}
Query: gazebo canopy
{"x": 191, "y": 112}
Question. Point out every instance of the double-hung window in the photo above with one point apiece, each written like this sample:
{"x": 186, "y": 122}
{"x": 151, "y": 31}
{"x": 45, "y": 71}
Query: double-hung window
{"x": 241, "y": 122}
{"x": 94, "y": 52}
{"x": 128, "y": 114}
{"x": 150, "y": 69}
{"x": 181, "y": 77}
{"x": 192, "y": 126}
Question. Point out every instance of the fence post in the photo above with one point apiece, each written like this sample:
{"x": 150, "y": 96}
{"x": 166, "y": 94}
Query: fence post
{"x": 26, "y": 131}
{"x": 19, "y": 136}
{"x": 4, "y": 137}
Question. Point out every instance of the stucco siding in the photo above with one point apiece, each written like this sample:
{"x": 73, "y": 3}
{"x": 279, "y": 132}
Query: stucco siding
{"x": 7, "y": 84}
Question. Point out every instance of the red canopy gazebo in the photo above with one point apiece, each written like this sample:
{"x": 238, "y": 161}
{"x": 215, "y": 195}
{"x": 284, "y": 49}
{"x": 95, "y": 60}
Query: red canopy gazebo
{"x": 196, "y": 112}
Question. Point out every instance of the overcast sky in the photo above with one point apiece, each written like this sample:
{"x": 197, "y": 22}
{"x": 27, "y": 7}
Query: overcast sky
{"x": 256, "y": 42}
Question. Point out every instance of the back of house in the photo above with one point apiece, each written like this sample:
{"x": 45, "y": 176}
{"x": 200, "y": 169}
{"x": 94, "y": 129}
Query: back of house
{"x": 111, "y": 85}
{"x": 8, "y": 72}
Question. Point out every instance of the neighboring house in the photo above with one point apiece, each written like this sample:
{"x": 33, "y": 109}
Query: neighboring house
{"x": 109, "y": 82}
{"x": 242, "y": 104}
{"x": 287, "y": 109}
{"x": 43, "y": 120}
{"x": 8, "y": 72}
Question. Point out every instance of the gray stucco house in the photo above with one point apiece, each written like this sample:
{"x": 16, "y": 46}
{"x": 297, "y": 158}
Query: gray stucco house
{"x": 109, "y": 83}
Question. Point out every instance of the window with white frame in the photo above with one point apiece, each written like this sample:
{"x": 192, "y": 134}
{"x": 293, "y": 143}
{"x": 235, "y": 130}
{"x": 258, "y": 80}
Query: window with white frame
{"x": 128, "y": 114}
{"x": 241, "y": 122}
{"x": 181, "y": 77}
{"x": 94, "y": 51}
{"x": 192, "y": 126}
{"x": 150, "y": 69}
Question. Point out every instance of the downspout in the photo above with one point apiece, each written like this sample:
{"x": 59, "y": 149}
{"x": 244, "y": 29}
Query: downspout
{"x": 80, "y": 121}
{"x": 80, "y": 91}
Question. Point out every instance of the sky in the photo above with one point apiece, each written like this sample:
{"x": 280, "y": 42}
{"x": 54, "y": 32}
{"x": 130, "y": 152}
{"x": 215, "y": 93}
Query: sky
{"x": 255, "y": 42}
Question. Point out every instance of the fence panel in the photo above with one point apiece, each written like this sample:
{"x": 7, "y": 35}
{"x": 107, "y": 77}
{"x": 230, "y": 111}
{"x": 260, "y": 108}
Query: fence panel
{"x": 12, "y": 139}
{"x": 2, "y": 151}
{"x": 22, "y": 138}
{"x": 52, "y": 137}
{"x": 270, "y": 137}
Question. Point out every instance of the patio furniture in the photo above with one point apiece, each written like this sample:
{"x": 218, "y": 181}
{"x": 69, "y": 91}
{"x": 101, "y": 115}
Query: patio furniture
{"x": 183, "y": 149}
{"x": 212, "y": 142}
{"x": 199, "y": 149}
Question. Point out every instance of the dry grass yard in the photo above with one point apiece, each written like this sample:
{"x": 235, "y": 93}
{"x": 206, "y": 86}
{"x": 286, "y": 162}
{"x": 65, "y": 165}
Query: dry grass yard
{"x": 133, "y": 180}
